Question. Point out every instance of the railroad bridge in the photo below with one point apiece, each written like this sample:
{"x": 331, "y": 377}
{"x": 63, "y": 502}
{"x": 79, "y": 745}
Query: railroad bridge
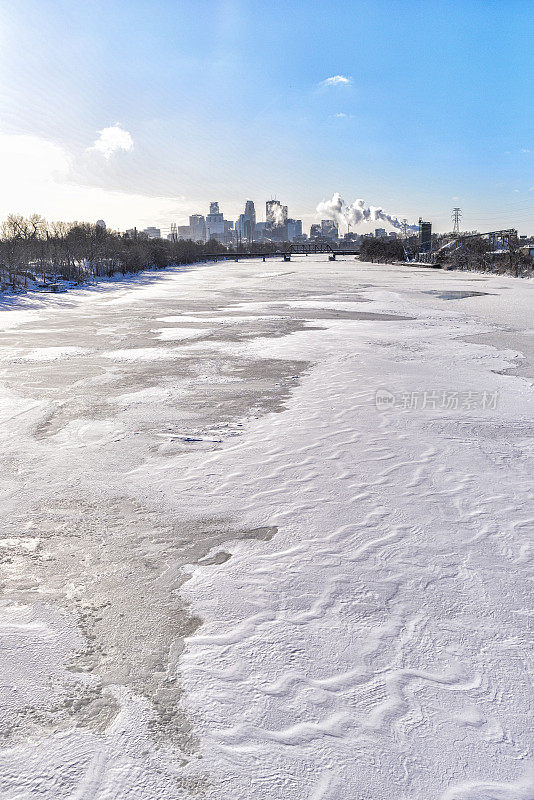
{"x": 285, "y": 252}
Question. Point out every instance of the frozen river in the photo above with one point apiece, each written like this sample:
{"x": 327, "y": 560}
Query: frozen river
{"x": 267, "y": 533}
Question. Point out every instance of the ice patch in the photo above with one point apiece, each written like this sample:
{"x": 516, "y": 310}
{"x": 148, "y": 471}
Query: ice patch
{"x": 142, "y": 354}
{"x": 176, "y": 334}
{"x": 47, "y": 354}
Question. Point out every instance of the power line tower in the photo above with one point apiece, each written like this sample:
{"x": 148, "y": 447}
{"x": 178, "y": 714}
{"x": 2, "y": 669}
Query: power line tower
{"x": 404, "y": 228}
{"x": 174, "y": 232}
{"x": 456, "y": 217}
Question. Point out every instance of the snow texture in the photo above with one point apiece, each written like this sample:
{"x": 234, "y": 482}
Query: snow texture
{"x": 227, "y": 573}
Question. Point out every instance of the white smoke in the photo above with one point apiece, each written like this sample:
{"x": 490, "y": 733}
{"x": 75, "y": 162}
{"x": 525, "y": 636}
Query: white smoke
{"x": 356, "y": 213}
{"x": 277, "y": 215}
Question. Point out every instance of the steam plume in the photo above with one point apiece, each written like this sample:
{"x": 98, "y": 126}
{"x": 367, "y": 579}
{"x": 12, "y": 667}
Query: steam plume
{"x": 277, "y": 215}
{"x": 355, "y": 213}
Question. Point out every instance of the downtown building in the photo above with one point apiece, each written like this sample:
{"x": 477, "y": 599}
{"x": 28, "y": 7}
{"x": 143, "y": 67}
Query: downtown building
{"x": 215, "y": 223}
{"x": 276, "y": 221}
{"x": 217, "y": 227}
{"x": 152, "y": 232}
{"x": 294, "y": 229}
{"x": 197, "y": 228}
{"x": 329, "y": 229}
{"x": 246, "y": 224}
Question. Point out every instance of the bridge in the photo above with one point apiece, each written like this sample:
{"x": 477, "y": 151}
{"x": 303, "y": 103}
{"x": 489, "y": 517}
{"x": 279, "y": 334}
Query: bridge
{"x": 308, "y": 248}
{"x": 293, "y": 249}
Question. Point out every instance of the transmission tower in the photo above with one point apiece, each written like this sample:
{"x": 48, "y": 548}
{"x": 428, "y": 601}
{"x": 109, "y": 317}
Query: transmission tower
{"x": 174, "y": 232}
{"x": 404, "y": 228}
{"x": 456, "y": 216}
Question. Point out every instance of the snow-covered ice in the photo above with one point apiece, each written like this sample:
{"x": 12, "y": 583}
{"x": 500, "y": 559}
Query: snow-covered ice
{"x": 228, "y": 573}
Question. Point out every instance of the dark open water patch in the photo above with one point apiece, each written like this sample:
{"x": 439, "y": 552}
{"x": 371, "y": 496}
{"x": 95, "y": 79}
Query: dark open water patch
{"x": 455, "y": 294}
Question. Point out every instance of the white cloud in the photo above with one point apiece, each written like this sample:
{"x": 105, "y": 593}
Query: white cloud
{"x": 340, "y": 115}
{"x": 525, "y": 150}
{"x": 38, "y": 176}
{"x": 112, "y": 139}
{"x": 336, "y": 80}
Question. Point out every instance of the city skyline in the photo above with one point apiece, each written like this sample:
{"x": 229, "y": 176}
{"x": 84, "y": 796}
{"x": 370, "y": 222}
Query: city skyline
{"x": 278, "y": 225}
{"x": 230, "y": 104}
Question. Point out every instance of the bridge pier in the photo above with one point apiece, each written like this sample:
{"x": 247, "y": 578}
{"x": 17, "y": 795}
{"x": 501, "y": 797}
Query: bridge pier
{"x": 287, "y": 257}
{"x": 332, "y": 257}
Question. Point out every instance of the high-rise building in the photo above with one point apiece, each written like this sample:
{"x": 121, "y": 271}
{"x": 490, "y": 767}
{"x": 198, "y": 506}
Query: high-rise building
{"x": 260, "y": 231}
{"x": 184, "y": 232}
{"x": 329, "y": 228}
{"x": 315, "y": 231}
{"x": 229, "y": 231}
{"x": 152, "y": 232}
{"x": 215, "y": 223}
{"x": 197, "y": 224}
{"x": 250, "y": 221}
{"x": 240, "y": 228}
{"x": 379, "y": 232}
{"x": 276, "y": 213}
{"x": 294, "y": 229}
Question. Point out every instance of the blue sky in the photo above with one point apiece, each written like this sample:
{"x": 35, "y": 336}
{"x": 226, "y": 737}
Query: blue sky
{"x": 227, "y": 101}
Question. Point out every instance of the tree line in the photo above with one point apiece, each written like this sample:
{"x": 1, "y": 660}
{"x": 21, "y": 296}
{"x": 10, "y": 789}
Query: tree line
{"x": 476, "y": 254}
{"x": 469, "y": 253}
{"x": 383, "y": 249}
{"x": 32, "y": 249}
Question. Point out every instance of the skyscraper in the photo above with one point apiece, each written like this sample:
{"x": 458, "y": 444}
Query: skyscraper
{"x": 276, "y": 213}
{"x": 261, "y": 231}
{"x": 249, "y": 221}
{"x": 294, "y": 229}
{"x": 197, "y": 223}
{"x": 240, "y": 228}
{"x": 229, "y": 232}
{"x": 215, "y": 223}
{"x": 329, "y": 228}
